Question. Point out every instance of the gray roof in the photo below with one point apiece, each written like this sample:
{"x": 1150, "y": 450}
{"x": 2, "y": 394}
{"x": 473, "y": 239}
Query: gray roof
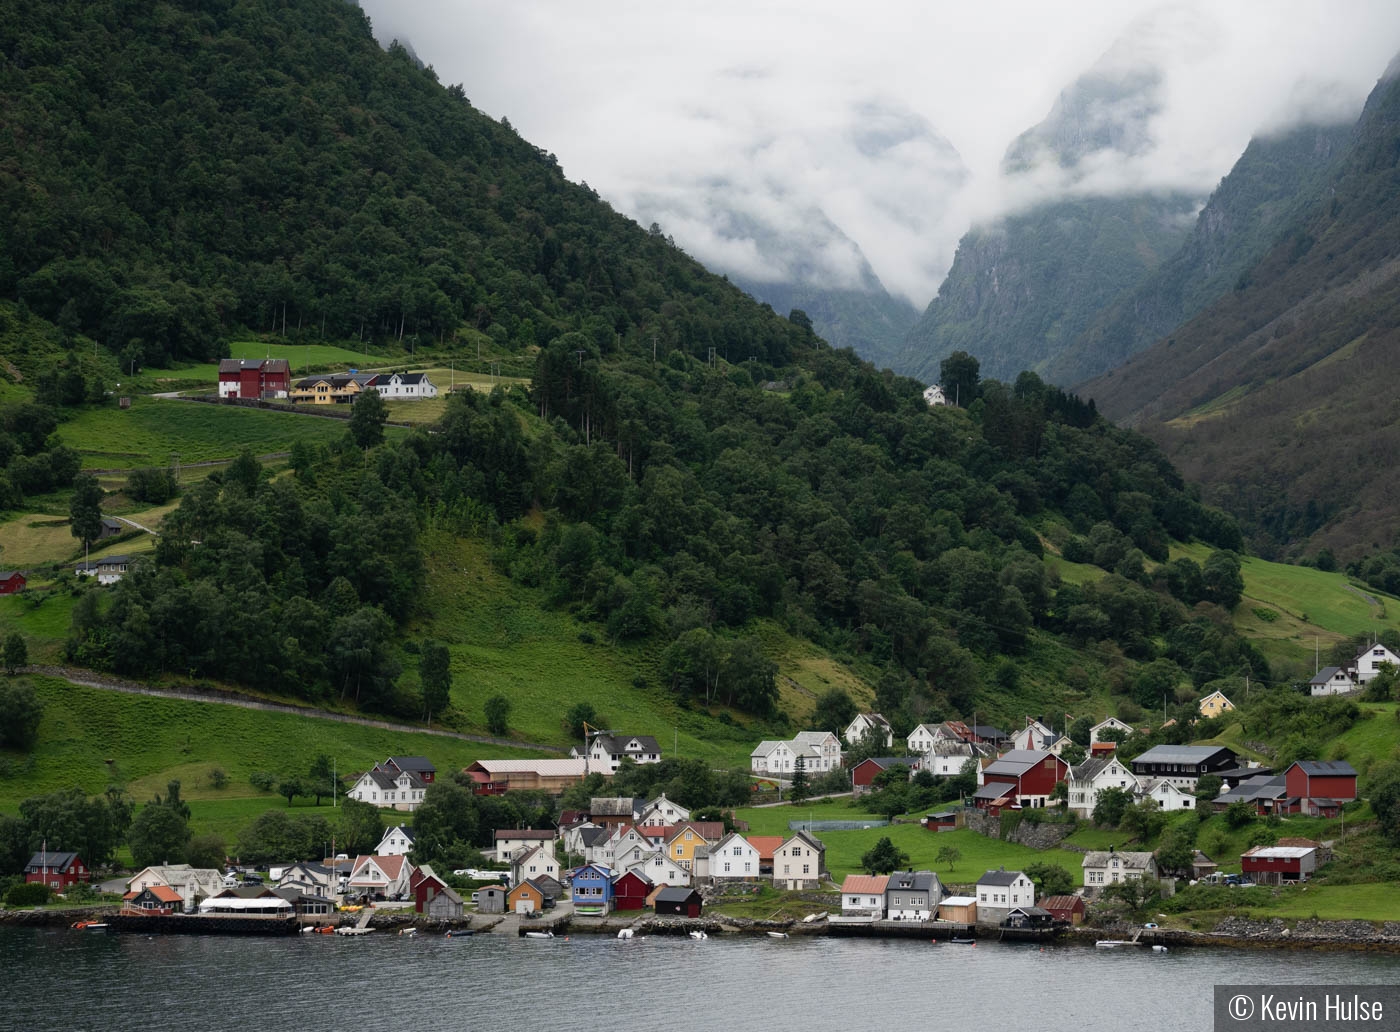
{"x": 917, "y": 881}
{"x": 1184, "y": 754}
{"x": 51, "y": 858}
{"x": 1088, "y": 769}
{"x": 614, "y": 806}
{"x": 616, "y": 745}
{"x": 1325, "y": 674}
{"x": 1263, "y": 786}
{"x": 1135, "y": 861}
{"x": 1000, "y": 877}
{"x": 415, "y": 763}
{"x": 1018, "y": 761}
{"x": 1335, "y": 768}
{"x": 592, "y": 836}
{"x": 994, "y": 790}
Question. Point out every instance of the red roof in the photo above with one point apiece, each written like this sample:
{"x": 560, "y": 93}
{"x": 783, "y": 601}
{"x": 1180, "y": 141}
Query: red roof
{"x": 766, "y": 845}
{"x": 865, "y": 884}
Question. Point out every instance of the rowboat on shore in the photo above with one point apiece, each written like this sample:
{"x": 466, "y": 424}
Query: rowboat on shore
{"x": 777, "y": 935}
{"x": 1111, "y": 944}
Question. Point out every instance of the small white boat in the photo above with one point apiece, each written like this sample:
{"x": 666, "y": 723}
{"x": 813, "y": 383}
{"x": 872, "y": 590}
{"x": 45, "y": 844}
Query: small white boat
{"x": 1159, "y": 949}
{"x": 698, "y": 934}
{"x": 777, "y": 935}
{"x": 1111, "y": 944}
{"x": 539, "y": 935}
{"x": 625, "y": 933}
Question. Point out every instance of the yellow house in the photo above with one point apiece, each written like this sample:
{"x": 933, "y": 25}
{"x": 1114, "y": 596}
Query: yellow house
{"x": 682, "y": 844}
{"x": 1215, "y": 704}
{"x": 339, "y": 388}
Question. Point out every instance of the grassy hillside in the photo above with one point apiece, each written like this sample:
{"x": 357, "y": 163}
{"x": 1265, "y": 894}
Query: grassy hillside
{"x": 154, "y": 429}
{"x": 92, "y": 738}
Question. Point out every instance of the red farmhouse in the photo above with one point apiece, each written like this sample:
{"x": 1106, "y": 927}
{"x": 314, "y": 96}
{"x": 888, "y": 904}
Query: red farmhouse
{"x": 1026, "y": 776}
{"x": 254, "y": 377}
{"x": 864, "y": 773}
{"x": 56, "y": 870}
{"x": 11, "y": 581}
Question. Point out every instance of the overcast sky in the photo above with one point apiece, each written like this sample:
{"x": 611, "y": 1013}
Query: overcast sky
{"x": 885, "y": 119}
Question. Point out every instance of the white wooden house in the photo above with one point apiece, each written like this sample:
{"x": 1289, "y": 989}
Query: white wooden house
{"x": 912, "y": 895}
{"x": 397, "y": 841}
{"x": 1369, "y": 661}
{"x": 999, "y": 891}
{"x": 864, "y": 724}
{"x": 397, "y": 790}
{"x": 820, "y": 752}
{"x": 533, "y": 862}
{"x": 1166, "y": 794}
{"x": 863, "y": 895}
{"x": 386, "y": 876}
{"x": 1112, "y": 867}
{"x": 408, "y": 386}
{"x": 662, "y": 812}
{"x": 799, "y": 863}
{"x": 510, "y": 841}
{"x": 1331, "y": 681}
{"x": 1091, "y": 777}
{"x": 1034, "y": 736}
{"x": 733, "y": 858}
{"x": 657, "y": 866}
{"x": 606, "y": 752}
{"x": 1107, "y": 724}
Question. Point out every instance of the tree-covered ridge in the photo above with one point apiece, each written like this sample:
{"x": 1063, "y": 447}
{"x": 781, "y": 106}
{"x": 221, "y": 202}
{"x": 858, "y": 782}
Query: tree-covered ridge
{"x": 176, "y": 171}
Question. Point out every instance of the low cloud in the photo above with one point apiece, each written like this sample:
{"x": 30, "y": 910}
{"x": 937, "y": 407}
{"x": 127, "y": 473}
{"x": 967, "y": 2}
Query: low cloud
{"x": 776, "y": 139}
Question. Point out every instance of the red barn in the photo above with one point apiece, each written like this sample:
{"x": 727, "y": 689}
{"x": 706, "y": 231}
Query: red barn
{"x": 631, "y": 890}
{"x": 1319, "y": 779}
{"x": 11, "y": 581}
{"x": 56, "y": 870}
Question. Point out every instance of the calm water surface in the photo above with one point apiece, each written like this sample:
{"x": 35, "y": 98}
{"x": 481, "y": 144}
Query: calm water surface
{"x": 57, "y": 979}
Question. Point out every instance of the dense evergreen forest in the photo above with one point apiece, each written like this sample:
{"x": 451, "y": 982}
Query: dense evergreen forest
{"x": 687, "y": 462}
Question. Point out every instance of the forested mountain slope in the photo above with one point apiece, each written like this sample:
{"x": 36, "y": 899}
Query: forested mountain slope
{"x": 687, "y": 470}
{"x": 1270, "y": 396}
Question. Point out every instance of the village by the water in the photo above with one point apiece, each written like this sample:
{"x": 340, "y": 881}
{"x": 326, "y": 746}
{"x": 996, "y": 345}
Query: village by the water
{"x": 630, "y": 866}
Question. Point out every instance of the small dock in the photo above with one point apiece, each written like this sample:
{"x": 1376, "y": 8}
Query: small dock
{"x": 941, "y": 931}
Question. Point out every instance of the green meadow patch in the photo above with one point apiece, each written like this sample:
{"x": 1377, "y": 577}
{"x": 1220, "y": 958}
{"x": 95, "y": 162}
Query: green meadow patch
{"x": 154, "y": 430}
{"x": 92, "y": 737}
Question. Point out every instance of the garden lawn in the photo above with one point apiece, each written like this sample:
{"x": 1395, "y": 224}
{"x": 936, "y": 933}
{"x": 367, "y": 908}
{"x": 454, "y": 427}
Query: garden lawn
{"x": 306, "y": 358}
{"x": 979, "y": 854}
{"x": 773, "y": 820}
{"x": 154, "y": 429}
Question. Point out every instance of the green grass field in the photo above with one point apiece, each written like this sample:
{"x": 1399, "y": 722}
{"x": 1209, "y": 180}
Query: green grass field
{"x": 91, "y": 738}
{"x": 154, "y": 429}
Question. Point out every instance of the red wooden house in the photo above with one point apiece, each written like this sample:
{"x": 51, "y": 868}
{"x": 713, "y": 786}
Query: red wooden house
{"x": 254, "y": 377}
{"x": 56, "y": 870}
{"x": 11, "y": 581}
{"x": 631, "y": 890}
{"x": 864, "y": 773}
{"x": 1319, "y": 780}
{"x": 1027, "y": 776}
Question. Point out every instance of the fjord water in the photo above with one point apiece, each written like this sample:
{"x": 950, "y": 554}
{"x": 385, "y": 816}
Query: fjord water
{"x": 59, "y": 979}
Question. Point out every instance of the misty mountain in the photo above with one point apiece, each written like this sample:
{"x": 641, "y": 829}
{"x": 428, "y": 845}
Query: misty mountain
{"x": 785, "y": 249}
{"x": 1025, "y": 288}
{"x": 1274, "y": 178}
{"x": 1276, "y": 397}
